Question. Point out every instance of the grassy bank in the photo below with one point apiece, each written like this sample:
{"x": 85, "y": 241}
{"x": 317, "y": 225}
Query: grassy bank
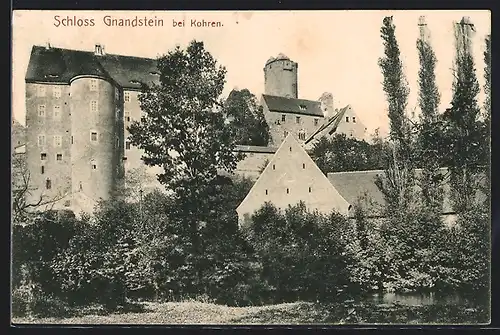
{"x": 292, "y": 313}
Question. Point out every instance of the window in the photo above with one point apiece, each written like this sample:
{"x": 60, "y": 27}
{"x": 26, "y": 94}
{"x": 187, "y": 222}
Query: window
{"x": 309, "y": 189}
{"x": 274, "y": 167}
{"x": 316, "y": 122}
{"x": 43, "y": 156}
{"x": 93, "y": 164}
{"x": 290, "y": 149}
{"x": 93, "y": 136}
{"x": 71, "y": 139}
{"x": 41, "y": 140}
{"x": 353, "y": 119}
{"x": 266, "y": 192}
{"x": 48, "y": 184}
{"x": 93, "y": 84}
{"x": 93, "y": 106}
{"x": 43, "y": 169}
{"x": 302, "y": 135}
{"x": 124, "y": 158}
{"x": 40, "y": 92}
{"x": 285, "y": 133}
{"x": 303, "y": 107}
{"x": 283, "y": 118}
{"x": 127, "y": 145}
{"x": 287, "y": 191}
{"x": 297, "y": 119}
{"x": 127, "y": 116}
{"x": 303, "y": 165}
{"x": 126, "y": 96}
{"x": 57, "y": 140}
{"x": 41, "y": 110}
{"x": 347, "y": 119}
{"x": 80, "y": 186}
{"x": 57, "y": 112}
{"x": 56, "y": 92}
{"x": 58, "y": 157}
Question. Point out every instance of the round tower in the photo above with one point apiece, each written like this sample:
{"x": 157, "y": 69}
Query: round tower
{"x": 280, "y": 77}
{"x": 94, "y": 149}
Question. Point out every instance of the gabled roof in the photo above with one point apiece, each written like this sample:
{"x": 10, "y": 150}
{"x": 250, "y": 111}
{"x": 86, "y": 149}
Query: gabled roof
{"x": 291, "y": 105}
{"x": 333, "y": 121}
{"x": 286, "y": 179}
{"x": 355, "y": 184}
{"x": 59, "y": 65}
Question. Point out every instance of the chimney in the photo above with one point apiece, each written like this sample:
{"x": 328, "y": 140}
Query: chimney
{"x": 99, "y": 50}
{"x": 326, "y": 100}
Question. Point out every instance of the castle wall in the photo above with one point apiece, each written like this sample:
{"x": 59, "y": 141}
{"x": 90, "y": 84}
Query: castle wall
{"x": 279, "y": 129}
{"x": 280, "y": 77}
{"x": 253, "y": 164}
{"x": 95, "y": 144}
{"x": 133, "y": 163}
{"x": 48, "y": 158}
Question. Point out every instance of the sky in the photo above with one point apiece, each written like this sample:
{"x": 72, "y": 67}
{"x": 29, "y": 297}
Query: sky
{"x": 337, "y": 51}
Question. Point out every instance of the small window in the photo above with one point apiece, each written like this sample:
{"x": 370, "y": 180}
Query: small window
{"x": 41, "y": 140}
{"x": 94, "y": 166}
{"x": 297, "y": 119}
{"x": 347, "y": 119}
{"x": 126, "y": 96}
{"x": 290, "y": 149}
{"x": 48, "y": 184}
{"x": 303, "y": 107}
{"x": 93, "y": 106}
{"x": 40, "y": 92}
{"x": 93, "y": 84}
{"x": 274, "y": 167}
{"x": 303, "y": 165}
{"x": 316, "y": 122}
{"x": 127, "y": 145}
{"x": 57, "y": 112}
{"x": 127, "y": 116}
{"x": 80, "y": 186}
{"x": 57, "y": 140}
{"x": 287, "y": 191}
{"x": 283, "y": 118}
{"x": 43, "y": 156}
{"x": 266, "y": 192}
{"x": 124, "y": 158}
{"x": 43, "y": 169}
{"x": 285, "y": 133}
{"x": 56, "y": 92}
{"x": 353, "y": 119}
{"x": 309, "y": 189}
{"x": 41, "y": 110}
{"x": 71, "y": 139}
{"x": 59, "y": 157}
{"x": 93, "y": 136}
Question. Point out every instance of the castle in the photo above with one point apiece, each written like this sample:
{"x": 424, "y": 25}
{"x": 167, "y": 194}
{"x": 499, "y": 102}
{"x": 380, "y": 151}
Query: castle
{"x": 79, "y": 104}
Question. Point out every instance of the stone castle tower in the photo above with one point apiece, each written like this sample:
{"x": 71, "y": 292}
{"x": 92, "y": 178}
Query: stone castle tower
{"x": 280, "y": 77}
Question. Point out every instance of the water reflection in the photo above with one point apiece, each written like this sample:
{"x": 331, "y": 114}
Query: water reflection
{"x": 418, "y": 299}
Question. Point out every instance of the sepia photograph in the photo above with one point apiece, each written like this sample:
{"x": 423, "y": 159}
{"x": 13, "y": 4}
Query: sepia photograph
{"x": 251, "y": 167}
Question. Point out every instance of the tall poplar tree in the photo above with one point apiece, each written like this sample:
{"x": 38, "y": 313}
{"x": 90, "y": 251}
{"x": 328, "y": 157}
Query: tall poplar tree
{"x": 464, "y": 132}
{"x": 428, "y": 101}
{"x": 397, "y": 185}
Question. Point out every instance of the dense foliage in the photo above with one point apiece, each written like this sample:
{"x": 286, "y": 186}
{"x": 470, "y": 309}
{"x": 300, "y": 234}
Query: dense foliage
{"x": 246, "y": 118}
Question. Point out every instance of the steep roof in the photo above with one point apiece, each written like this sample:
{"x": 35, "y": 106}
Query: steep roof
{"x": 355, "y": 184}
{"x": 61, "y": 65}
{"x": 286, "y": 179}
{"x": 333, "y": 121}
{"x": 291, "y": 105}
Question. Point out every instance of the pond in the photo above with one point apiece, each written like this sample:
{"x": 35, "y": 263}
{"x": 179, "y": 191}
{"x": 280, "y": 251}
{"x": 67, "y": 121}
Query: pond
{"x": 419, "y": 299}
